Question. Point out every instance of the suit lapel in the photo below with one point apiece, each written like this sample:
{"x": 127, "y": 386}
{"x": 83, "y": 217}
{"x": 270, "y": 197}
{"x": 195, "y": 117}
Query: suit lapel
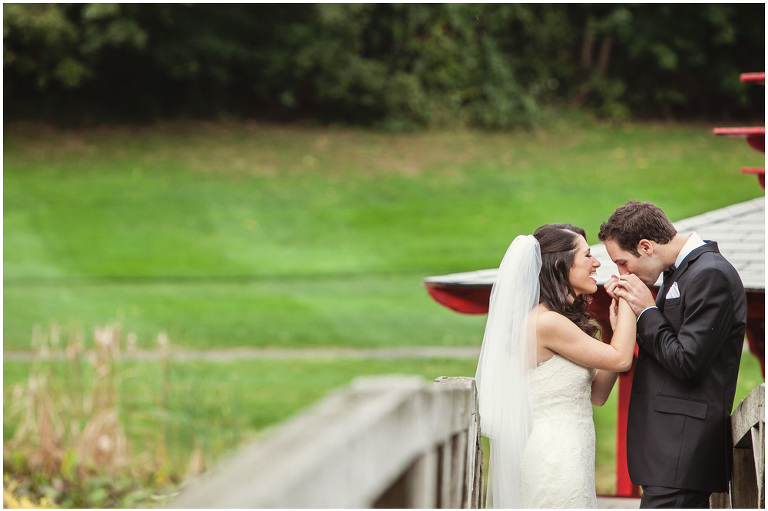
{"x": 709, "y": 246}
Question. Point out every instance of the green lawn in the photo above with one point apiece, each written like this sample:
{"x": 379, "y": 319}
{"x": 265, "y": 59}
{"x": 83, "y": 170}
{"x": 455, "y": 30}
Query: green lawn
{"x": 250, "y": 235}
{"x": 238, "y": 235}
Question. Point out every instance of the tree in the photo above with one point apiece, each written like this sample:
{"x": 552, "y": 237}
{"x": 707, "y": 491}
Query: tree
{"x": 393, "y": 65}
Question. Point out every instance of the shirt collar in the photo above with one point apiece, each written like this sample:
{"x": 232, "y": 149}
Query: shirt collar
{"x": 694, "y": 242}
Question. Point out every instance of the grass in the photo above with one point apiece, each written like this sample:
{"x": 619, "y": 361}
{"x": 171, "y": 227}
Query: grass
{"x": 363, "y": 311}
{"x": 216, "y": 405}
{"x": 236, "y": 235}
{"x": 250, "y": 235}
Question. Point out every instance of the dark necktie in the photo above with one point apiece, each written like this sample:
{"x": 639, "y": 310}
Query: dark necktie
{"x": 668, "y": 273}
{"x": 665, "y": 284}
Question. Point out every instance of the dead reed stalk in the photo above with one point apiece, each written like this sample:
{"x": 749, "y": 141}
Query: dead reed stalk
{"x": 56, "y": 420}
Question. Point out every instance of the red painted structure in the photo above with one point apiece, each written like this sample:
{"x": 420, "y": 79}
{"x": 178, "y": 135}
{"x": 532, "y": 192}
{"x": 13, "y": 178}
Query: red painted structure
{"x": 755, "y": 136}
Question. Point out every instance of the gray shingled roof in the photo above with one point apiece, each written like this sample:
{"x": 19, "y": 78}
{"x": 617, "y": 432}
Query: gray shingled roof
{"x": 738, "y": 229}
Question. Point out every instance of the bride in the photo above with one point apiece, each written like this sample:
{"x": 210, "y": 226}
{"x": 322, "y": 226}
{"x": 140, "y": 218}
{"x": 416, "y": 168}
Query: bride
{"x": 541, "y": 369}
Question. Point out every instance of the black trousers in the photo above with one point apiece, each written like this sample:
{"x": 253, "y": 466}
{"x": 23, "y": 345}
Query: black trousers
{"x": 659, "y": 497}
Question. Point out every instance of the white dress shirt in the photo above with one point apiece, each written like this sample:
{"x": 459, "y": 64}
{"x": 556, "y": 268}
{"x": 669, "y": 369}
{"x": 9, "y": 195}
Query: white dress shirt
{"x": 694, "y": 242}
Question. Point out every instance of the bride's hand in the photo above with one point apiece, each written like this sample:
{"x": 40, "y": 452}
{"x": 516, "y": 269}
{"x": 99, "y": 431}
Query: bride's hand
{"x": 610, "y": 286}
{"x": 614, "y": 313}
{"x": 635, "y": 292}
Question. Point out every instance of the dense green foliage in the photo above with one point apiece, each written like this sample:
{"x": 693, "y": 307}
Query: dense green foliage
{"x": 397, "y": 66}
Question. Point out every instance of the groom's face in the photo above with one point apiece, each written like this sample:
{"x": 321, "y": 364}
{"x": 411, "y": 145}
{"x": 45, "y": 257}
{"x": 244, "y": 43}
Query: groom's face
{"x": 645, "y": 267}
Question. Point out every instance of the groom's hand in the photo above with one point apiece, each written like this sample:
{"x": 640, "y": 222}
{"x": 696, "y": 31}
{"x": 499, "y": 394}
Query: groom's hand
{"x": 635, "y": 292}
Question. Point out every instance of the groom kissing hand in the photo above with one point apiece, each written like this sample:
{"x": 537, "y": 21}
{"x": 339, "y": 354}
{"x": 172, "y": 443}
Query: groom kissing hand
{"x": 690, "y": 340}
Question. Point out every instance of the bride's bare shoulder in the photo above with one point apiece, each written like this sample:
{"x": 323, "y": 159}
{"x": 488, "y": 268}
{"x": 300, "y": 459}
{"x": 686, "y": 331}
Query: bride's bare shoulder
{"x": 550, "y": 322}
{"x": 545, "y": 315}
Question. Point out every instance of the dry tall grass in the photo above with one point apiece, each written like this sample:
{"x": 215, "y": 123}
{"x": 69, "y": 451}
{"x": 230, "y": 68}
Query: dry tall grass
{"x": 69, "y": 424}
{"x": 59, "y": 419}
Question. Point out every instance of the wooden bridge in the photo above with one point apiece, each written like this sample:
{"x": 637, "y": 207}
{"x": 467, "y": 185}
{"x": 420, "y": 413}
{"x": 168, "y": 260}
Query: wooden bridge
{"x": 402, "y": 442}
{"x": 387, "y": 442}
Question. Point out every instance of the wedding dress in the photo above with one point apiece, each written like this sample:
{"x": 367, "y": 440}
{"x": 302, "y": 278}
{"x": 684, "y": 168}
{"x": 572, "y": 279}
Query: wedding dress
{"x": 558, "y": 464}
{"x": 538, "y": 419}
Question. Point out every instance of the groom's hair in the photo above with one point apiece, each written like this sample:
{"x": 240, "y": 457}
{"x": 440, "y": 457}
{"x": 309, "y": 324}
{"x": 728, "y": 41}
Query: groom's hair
{"x": 635, "y": 221}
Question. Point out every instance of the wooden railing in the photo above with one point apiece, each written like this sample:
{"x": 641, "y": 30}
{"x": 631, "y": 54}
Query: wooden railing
{"x": 388, "y": 442}
{"x": 747, "y": 487}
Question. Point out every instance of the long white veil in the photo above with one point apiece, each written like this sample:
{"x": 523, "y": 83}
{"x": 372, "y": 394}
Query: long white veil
{"x": 507, "y": 355}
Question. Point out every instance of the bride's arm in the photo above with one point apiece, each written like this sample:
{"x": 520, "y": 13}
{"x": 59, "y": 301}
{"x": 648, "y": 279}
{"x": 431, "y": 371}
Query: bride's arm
{"x": 557, "y": 333}
{"x": 602, "y": 386}
{"x": 605, "y": 380}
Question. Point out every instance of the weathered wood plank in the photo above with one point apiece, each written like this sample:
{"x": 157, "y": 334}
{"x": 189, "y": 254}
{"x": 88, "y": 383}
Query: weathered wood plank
{"x": 377, "y": 435}
{"x": 422, "y": 483}
{"x": 473, "y": 487}
{"x": 477, "y": 489}
{"x": 758, "y": 456}
{"x": 720, "y": 501}
{"x": 458, "y": 471}
{"x": 445, "y": 457}
{"x": 743, "y": 480}
{"x": 747, "y": 485}
{"x": 749, "y": 412}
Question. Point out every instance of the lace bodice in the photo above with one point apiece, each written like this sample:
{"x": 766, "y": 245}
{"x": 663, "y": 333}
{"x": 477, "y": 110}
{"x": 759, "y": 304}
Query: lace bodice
{"x": 561, "y": 388}
{"x": 559, "y": 459}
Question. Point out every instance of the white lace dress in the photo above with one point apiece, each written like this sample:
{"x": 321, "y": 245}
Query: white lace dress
{"x": 559, "y": 458}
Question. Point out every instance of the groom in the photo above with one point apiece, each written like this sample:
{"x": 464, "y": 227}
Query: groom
{"x": 690, "y": 341}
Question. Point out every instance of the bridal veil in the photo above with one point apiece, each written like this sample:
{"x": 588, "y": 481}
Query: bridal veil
{"x": 507, "y": 356}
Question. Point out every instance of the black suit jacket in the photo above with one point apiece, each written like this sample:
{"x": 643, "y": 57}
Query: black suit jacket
{"x": 678, "y": 429}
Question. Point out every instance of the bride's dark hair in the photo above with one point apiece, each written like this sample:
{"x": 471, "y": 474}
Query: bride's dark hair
{"x": 558, "y": 243}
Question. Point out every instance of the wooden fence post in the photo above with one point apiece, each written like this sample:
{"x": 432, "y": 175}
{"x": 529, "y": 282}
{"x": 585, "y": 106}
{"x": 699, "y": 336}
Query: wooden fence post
{"x": 747, "y": 486}
{"x": 473, "y": 482}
